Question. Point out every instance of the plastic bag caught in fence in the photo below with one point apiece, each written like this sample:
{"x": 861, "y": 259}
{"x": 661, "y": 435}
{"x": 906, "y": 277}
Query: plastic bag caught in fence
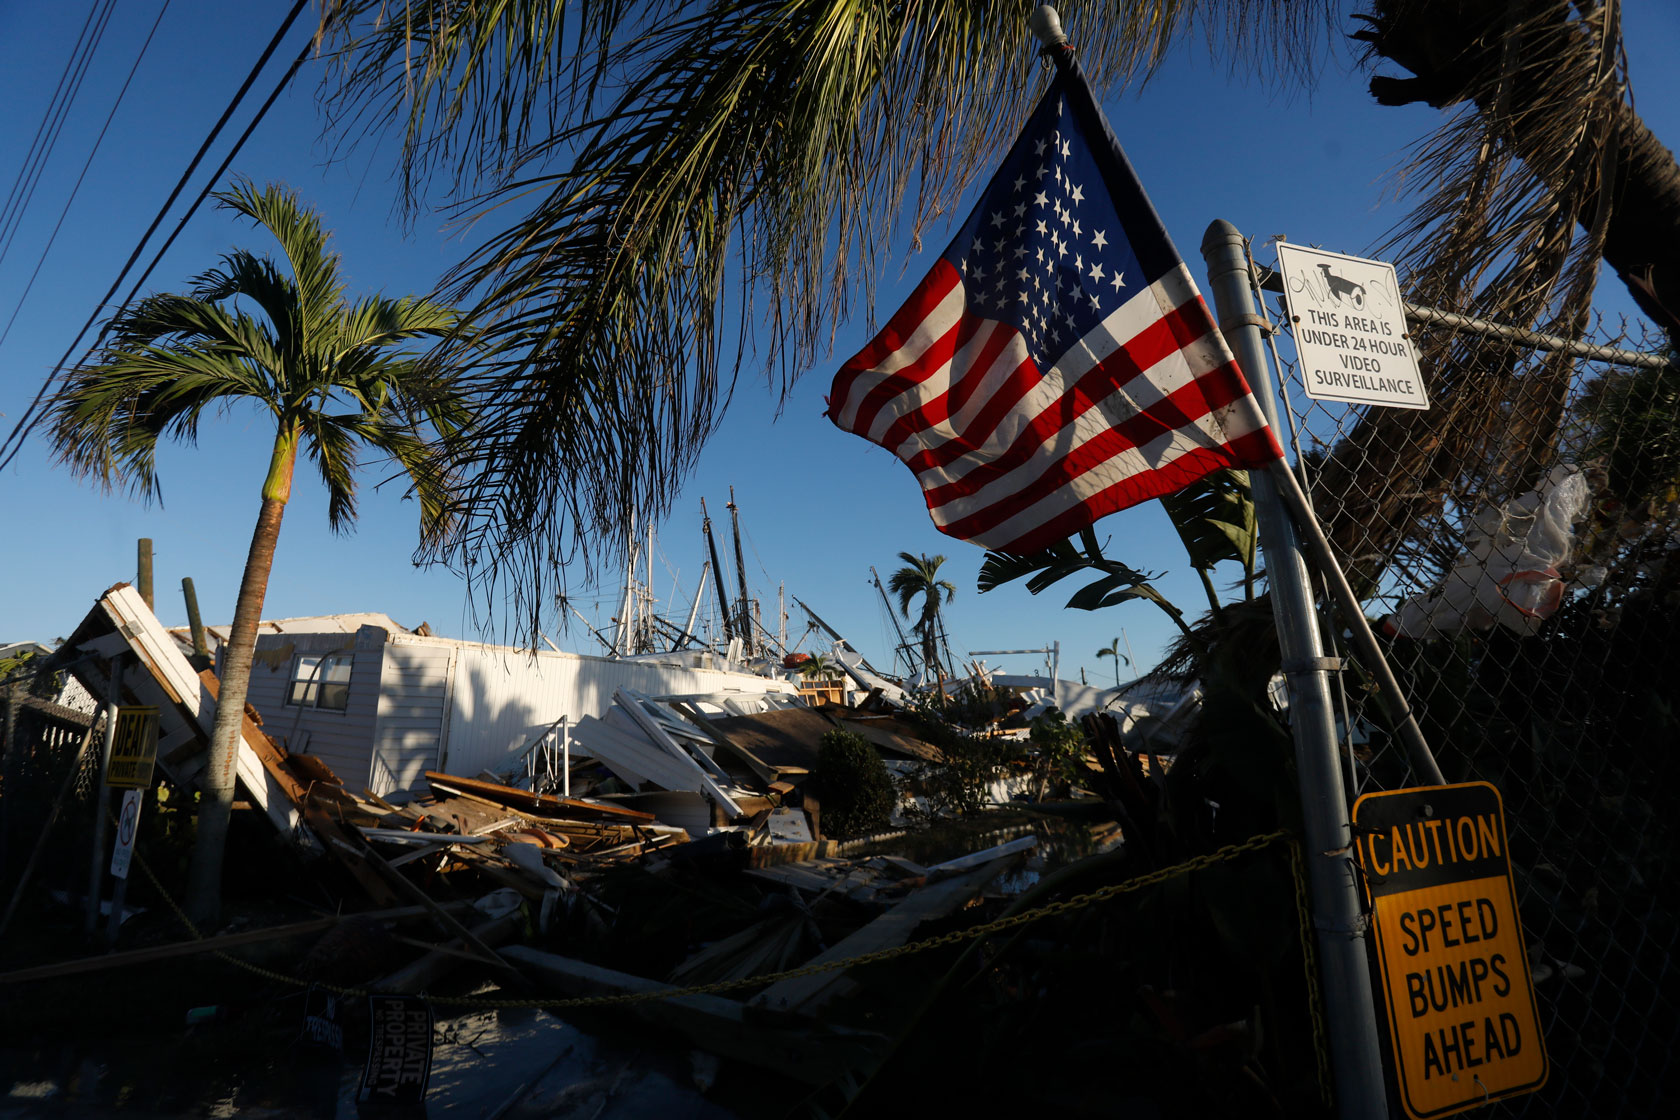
{"x": 1508, "y": 573}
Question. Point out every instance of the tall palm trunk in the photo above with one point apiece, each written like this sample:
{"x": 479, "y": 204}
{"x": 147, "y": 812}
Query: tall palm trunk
{"x": 215, "y": 807}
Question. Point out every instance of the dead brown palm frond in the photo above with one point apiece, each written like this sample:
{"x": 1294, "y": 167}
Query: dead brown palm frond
{"x": 1513, "y": 204}
{"x": 671, "y": 188}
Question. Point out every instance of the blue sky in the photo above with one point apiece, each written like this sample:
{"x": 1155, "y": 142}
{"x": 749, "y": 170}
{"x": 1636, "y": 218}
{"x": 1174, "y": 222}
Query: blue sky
{"x": 818, "y": 506}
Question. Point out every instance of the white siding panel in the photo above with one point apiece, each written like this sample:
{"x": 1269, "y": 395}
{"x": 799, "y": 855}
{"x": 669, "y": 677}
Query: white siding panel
{"x": 414, "y": 688}
{"x": 343, "y": 740}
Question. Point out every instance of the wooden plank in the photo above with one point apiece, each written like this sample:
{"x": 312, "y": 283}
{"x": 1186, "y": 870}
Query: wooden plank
{"x": 976, "y": 859}
{"x": 810, "y": 1052}
{"x": 439, "y": 915}
{"x": 152, "y": 953}
{"x": 808, "y": 994}
{"x": 545, "y": 804}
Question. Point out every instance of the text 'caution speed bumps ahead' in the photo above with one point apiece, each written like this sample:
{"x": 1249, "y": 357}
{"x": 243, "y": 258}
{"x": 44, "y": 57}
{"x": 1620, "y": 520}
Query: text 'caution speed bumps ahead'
{"x": 1460, "y": 1000}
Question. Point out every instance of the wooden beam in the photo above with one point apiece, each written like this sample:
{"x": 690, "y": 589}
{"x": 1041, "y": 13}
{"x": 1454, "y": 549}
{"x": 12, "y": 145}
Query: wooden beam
{"x": 544, "y": 804}
{"x": 807, "y": 1051}
{"x": 808, "y": 994}
{"x": 152, "y": 953}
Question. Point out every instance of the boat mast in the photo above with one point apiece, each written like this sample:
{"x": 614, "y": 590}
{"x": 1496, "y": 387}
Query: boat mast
{"x": 717, "y": 574}
{"x": 741, "y": 578}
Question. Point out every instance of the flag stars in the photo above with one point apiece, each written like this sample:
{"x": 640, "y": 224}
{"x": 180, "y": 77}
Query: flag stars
{"x": 1096, "y": 271}
{"x": 1042, "y": 228}
{"x": 1041, "y": 199}
{"x": 1118, "y": 280}
{"x": 1099, "y": 239}
{"x": 1076, "y": 230}
{"x": 1067, "y": 149}
{"x": 1038, "y": 148}
{"x": 1042, "y": 172}
{"x": 997, "y": 219}
{"x": 1095, "y": 306}
{"x": 1079, "y": 194}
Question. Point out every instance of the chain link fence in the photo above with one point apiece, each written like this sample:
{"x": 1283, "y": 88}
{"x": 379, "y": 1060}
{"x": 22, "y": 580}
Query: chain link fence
{"x": 1520, "y": 540}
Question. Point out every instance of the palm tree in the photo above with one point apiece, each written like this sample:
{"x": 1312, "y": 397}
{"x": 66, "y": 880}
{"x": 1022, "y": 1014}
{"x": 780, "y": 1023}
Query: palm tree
{"x": 639, "y": 142}
{"x": 333, "y": 374}
{"x": 819, "y": 667}
{"x": 920, "y": 576}
{"x": 1112, "y": 649}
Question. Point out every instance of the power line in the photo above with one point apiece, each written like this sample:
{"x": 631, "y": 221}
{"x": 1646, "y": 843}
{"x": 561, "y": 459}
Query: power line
{"x": 52, "y": 123}
{"x": 100, "y": 139}
{"x": 31, "y": 417}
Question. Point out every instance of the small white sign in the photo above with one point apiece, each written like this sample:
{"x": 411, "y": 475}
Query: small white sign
{"x": 128, "y": 823}
{"x": 1350, "y": 329}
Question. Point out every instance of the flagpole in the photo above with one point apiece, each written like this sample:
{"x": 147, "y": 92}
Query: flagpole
{"x": 1355, "y": 1051}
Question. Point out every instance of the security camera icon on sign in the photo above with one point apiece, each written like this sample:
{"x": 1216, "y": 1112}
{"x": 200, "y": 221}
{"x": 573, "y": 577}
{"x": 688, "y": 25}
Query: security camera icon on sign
{"x": 1343, "y": 289}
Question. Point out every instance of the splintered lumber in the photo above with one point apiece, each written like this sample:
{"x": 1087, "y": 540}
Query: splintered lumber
{"x": 808, "y": 994}
{"x": 984, "y": 856}
{"x": 376, "y": 864}
{"x": 152, "y": 953}
{"x": 353, "y": 856}
{"x": 431, "y": 967}
{"x": 544, "y": 804}
{"x": 807, "y": 1051}
{"x": 888, "y": 734}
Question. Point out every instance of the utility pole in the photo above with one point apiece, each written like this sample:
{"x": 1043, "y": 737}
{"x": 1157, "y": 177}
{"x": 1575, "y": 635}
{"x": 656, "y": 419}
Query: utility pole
{"x": 143, "y": 580}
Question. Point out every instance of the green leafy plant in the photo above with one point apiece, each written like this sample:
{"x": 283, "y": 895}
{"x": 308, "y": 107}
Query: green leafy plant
{"x": 858, "y": 794}
{"x": 1058, "y": 751}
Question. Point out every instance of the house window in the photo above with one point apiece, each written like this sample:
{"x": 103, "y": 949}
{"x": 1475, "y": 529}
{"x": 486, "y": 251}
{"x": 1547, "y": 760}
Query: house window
{"x": 321, "y": 681}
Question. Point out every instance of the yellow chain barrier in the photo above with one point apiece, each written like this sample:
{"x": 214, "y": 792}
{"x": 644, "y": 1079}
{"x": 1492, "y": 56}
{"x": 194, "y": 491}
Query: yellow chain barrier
{"x": 1013, "y": 921}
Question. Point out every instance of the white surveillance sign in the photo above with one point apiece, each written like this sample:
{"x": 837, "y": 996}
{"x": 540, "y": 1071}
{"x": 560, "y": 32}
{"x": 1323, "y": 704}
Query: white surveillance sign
{"x": 1350, "y": 329}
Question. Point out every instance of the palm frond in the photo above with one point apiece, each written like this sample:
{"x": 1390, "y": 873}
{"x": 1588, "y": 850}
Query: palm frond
{"x": 1513, "y": 197}
{"x": 304, "y": 241}
{"x": 332, "y": 443}
{"x": 686, "y": 150}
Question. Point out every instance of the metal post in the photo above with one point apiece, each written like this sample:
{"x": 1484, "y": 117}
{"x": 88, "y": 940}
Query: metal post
{"x": 1356, "y": 1056}
{"x": 102, "y": 799}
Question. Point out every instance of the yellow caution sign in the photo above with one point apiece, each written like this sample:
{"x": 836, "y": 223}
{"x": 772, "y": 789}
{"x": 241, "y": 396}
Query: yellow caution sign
{"x": 134, "y": 749}
{"x": 1461, "y": 1010}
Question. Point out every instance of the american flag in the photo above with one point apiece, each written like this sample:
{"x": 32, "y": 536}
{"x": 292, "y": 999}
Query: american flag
{"x": 1057, "y": 363}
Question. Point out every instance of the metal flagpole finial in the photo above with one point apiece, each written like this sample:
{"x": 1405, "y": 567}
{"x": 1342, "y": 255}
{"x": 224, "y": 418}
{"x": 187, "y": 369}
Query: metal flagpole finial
{"x": 1047, "y": 25}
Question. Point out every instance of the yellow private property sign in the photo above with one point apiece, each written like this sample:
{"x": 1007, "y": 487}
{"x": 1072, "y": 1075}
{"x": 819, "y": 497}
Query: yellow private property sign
{"x": 1461, "y": 1010}
{"x": 133, "y": 749}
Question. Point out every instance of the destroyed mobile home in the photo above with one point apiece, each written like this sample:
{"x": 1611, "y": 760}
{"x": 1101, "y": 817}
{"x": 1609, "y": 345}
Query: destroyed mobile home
{"x": 505, "y": 796}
